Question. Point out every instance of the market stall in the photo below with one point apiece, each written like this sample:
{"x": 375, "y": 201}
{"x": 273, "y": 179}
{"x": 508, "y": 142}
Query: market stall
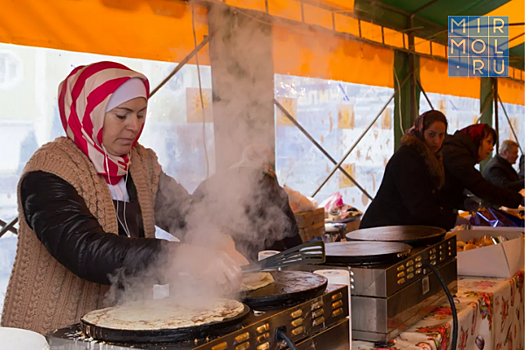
{"x": 329, "y": 88}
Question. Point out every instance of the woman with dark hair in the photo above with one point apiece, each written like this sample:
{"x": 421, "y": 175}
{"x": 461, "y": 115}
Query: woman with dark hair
{"x": 461, "y": 152}
{"x": 413, "y": 177}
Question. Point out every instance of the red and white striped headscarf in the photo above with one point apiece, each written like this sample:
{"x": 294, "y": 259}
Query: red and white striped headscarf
{"x": 82, "y": 100}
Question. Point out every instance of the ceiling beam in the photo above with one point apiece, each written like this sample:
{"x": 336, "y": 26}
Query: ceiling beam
{"x": 428, "y": 4}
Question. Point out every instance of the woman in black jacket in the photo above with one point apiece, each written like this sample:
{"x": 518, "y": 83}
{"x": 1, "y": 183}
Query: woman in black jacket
{"x": 461, "y": 152}
{"x": 87, "y": 213}
{"x": 413, "y": 176}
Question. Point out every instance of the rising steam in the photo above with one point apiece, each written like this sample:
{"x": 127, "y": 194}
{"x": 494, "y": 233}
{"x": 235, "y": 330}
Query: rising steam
{"x": 235, "y": 201}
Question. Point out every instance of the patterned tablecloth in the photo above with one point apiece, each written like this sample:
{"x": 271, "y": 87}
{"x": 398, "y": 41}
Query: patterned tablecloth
{"x": 491, "y": 317}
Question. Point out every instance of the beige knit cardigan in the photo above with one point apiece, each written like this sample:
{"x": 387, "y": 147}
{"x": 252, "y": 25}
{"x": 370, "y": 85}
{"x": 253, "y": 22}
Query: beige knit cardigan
{"x": 42, "y": 294}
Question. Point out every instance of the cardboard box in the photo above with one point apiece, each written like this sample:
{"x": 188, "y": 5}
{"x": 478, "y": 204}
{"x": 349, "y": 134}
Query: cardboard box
{"x": 311, "y": 224}
{"x": 500, "y": 260}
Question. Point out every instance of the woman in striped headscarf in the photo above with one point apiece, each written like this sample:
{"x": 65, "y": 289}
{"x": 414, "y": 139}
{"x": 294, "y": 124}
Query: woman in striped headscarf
{"x": 89, "y": 203}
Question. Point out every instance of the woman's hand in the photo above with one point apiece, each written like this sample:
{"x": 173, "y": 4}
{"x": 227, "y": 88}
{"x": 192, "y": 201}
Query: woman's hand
{"x": 199, "y": 269}
{"x": 228, "y": 246}
{"x": 216, "y": 239}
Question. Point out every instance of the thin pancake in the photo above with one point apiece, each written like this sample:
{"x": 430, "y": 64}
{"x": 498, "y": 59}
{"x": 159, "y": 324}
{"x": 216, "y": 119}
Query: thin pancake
{"x": 162, "y": 314}
{"x": 254, "y": 281}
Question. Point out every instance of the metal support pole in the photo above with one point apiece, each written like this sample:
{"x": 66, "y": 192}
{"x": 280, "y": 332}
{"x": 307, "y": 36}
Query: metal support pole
{"x": 303, "y": 130}
{"x": 363, "y": 134}
{"x": 424, "y": 94}
{"x": 496, "y": 116}
{"x": 510, "y": 124}
{"x": 428, "y": 4}
{"x": 516, "y": 37}
{"x": 414, "y": 104}
{"x": 182, "y": 64}
{"x": 483, "y": 109}
{"x": 9, "y": 227}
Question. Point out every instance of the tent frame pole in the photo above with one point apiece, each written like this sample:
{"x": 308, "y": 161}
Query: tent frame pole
{"x": 316, "y": 144}
{"x": 182, "y": 63}
{"x": 338, "y": 165}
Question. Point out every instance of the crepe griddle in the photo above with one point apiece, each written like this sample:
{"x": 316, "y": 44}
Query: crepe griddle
{"x": 366, "y": 253}
{"x": 416, "y": 236}
{"x": 165, "y": 335}
{"x": 290, "y": 288}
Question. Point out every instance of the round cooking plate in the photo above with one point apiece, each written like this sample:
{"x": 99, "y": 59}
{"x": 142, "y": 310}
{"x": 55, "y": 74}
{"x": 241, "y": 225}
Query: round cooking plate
{"x": 289, "y": 288}
{"x": 165, "y": 335}
{"x": 414, "y": 235}
{"x": 366, "y": 252}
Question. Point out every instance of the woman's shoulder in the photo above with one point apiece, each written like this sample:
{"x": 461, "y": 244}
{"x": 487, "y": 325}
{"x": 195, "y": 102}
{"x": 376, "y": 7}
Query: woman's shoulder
{"x": 61, "y": 148}
{"x": 458, "y": 148}
{"x": 406, "y": 158}
{"x": 407, "y": 152}
{"x": 411, "y": 144}
{"x": 56, "y": 144}
{"x": 144, "y": 152}
{"x": 458, "y": 142}
{"x": 61, "y": 158}
{"x": 147, "y": 160}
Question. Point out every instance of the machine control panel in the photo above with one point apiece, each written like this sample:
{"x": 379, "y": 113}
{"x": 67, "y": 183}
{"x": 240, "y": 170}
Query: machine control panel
{"x": 412, "y": 268}
{"x": 299, "y": 323}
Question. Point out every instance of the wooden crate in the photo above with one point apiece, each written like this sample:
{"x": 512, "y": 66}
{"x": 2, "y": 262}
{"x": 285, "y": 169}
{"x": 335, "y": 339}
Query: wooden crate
{"x": 311, "y": 224}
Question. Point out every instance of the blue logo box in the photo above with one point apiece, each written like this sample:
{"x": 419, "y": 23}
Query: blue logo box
{"x": 478, "y": 46}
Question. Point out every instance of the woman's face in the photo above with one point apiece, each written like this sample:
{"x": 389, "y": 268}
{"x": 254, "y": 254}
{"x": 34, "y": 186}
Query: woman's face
{"x": 485, "y": 148}
{"x": 122, "y": 125}
{"x": 434, "y": 135}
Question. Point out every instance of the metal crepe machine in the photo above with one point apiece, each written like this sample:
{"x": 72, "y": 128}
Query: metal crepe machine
{"x": 290, "y": 288}
{"x": 381, "y": 248}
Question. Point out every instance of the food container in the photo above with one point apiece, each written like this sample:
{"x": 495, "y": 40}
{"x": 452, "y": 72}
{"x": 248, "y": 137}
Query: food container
{"x": 16, "y": 338}
{"x": 311, "y": 224}
{"x": 499, "y": 260}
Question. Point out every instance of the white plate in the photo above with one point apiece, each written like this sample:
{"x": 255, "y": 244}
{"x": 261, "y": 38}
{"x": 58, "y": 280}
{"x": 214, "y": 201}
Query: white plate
{"x": 16, "y": 339}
